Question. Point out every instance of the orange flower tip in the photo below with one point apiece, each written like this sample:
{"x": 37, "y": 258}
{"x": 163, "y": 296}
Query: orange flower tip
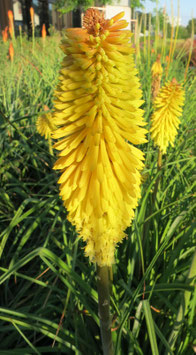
{"x": 96, "y": 24}
{"x": 10, "y": 15}
{"x": 93, "y": 20}
{"x": 174, "y": 81}
{"x": 31, "y": 11}
{"x": 44, "y": 31}
{"x": 11, "y": 52}
{"x": 46, "y": 108}
{"x": 5, "y": 34}
{"x": 32, "y": 15}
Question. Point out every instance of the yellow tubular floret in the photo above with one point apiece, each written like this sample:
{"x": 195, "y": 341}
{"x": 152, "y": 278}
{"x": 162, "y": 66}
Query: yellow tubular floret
{"x": 97, "y": 110}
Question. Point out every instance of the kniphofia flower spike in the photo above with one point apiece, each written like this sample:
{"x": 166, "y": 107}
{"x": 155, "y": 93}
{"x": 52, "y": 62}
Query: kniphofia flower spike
{"x": 11, "y": 23}
{"x": 5, "y": 34}
{"x": 97, "y": 109}
{"x": 165, "y": 119}
{"x": 32, "y": 16}
{"x": 11, "y": 52}
{"x": 156, "y": 67}
{"x": 43, "y": 31}
{"x": 45, "y": 125}
{"x": 10, "y": 15}
{"x": 156, "y": 71}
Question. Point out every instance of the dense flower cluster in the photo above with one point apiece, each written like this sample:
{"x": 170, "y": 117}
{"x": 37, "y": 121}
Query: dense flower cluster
{"x": 97, "y": 110}
{"x": 165, "y": 119}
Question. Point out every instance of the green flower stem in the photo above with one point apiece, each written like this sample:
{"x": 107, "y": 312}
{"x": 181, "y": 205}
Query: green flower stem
{"x": 33, "y": 36}
{"x": 103, "y": 286}
{"x": 147, "y": 224}
{"x": 159, "y": 160}
{"x": 20, "y": 30}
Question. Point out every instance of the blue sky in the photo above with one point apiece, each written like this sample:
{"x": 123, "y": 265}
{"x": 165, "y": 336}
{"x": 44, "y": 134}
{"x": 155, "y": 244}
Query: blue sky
{"x": 187, "y": 8}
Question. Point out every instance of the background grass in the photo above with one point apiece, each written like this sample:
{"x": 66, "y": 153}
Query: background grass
{"x": 48, "y": 288}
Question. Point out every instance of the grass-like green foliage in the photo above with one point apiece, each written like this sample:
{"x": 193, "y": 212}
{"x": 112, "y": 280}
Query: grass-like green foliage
{"x": 48, "y": 288}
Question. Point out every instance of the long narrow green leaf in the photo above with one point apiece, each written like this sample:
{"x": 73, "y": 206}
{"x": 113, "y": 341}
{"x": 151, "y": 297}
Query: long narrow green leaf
{"x": 183, "y": 308}
{"x": 174, "y": 225}
{"x": 150, "y": 327}
{"x": 25, "y": 338}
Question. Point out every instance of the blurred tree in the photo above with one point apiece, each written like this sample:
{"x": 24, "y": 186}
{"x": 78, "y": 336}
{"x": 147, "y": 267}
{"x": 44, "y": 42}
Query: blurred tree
{"x": 70, "y": 5}
{"x": 183, "y": 32}
{"x": 162, "y": 15}
{"x": 77, "y": 5}
{"x": 44, "y": 15}
{"x": 138, "y": 3}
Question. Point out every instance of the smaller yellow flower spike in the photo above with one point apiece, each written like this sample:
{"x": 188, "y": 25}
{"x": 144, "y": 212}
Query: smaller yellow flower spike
{"x": 156, "y": 67}
{"x": 165, "y": 120}
{"x": 45, "y": 125}
{"x": 156, "y": 71}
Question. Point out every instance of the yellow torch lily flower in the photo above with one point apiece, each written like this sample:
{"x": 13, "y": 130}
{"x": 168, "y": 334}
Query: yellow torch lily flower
{"x": 156, "y": 71}
{"x": 165, "y": 120}
{"x": 156, "y": 67}
{"x": 97, "y": 109}
{"x": 45, "y": 125}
